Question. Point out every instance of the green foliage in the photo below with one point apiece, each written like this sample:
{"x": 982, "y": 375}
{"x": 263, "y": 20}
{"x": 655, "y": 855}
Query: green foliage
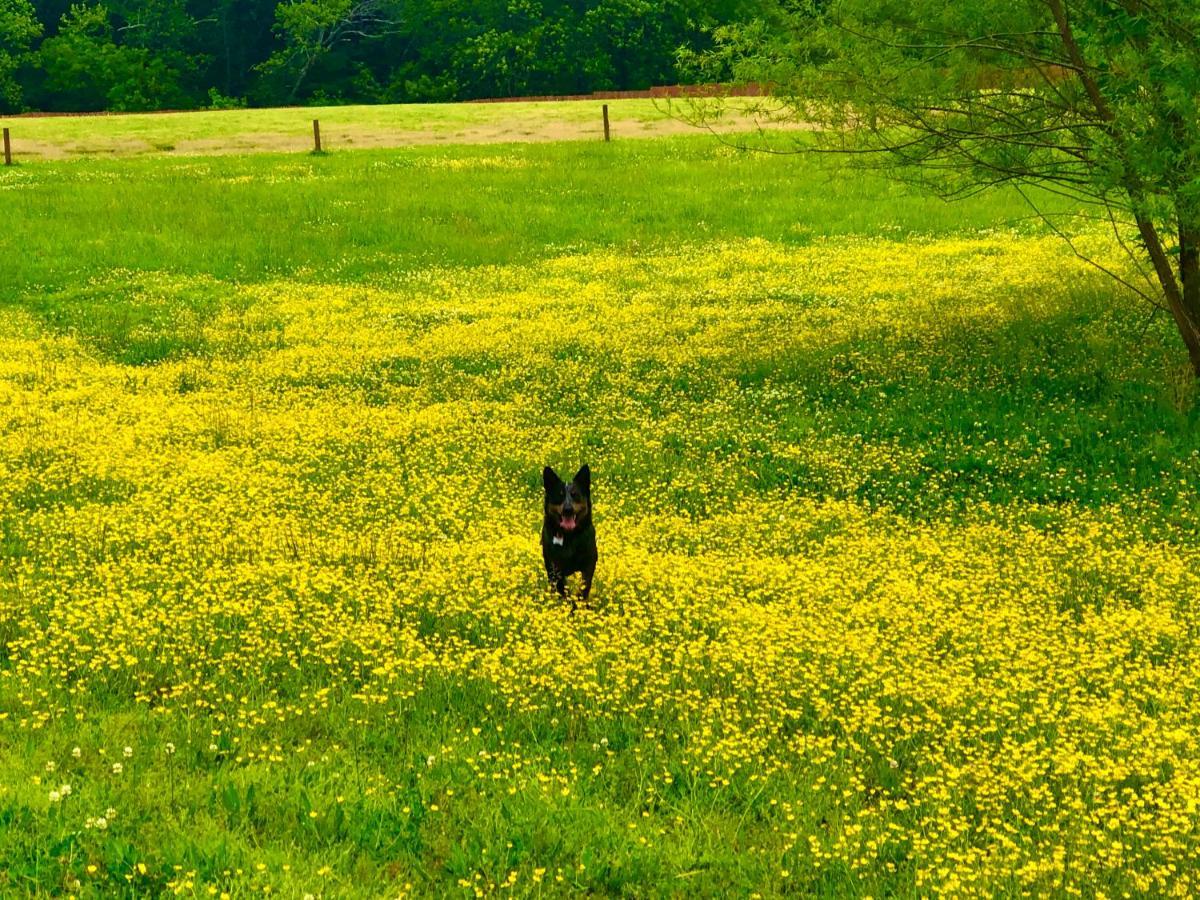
{"x": 311, "y": 30}
{"x": 148, "y": 54}
{"x": 85, "y": 69}
{"x": 1099, "y": 100}
{"x": 217, "y": 100}
{"x": 18, "y": 29}
{"x": 988, "y": 90}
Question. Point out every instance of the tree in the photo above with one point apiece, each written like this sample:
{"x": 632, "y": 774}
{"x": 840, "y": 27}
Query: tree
{"x": 311, "y": 29}
{"x": 233, "y": 37}
{"x": 18, "y": 29}
{"x": 632, "y": 43}
{"x": 513, "y": 48}
{"x": 1095, "y": 99}
{"x": 168, "y": 31}
{"x": 85, "y": 69}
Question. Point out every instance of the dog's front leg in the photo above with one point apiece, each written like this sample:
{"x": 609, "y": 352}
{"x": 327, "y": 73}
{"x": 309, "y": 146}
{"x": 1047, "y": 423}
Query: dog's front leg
{"x": 557, "y": 581}
{"x": 561, "y": 585}
{"x": 587, "y": 573}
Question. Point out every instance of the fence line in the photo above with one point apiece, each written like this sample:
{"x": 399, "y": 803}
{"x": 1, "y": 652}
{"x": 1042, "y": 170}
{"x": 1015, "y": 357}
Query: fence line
{"x": 655, "y": 93}
{"x": 661, "y": 92}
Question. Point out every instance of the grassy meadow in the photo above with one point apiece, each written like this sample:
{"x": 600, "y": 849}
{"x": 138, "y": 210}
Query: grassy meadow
{"x": 896, "y": 506}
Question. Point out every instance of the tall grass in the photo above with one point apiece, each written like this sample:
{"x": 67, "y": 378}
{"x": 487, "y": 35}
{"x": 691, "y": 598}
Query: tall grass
{"x": 370, "y": 213}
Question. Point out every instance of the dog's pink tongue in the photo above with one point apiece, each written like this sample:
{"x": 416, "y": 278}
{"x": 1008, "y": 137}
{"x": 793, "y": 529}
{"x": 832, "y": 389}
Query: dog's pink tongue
{"x": 568, "y": 523}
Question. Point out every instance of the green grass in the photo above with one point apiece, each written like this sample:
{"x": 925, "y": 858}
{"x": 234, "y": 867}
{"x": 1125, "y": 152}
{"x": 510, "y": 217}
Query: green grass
{"x": 898, "y": 523}
{"x": 358, "y": 215}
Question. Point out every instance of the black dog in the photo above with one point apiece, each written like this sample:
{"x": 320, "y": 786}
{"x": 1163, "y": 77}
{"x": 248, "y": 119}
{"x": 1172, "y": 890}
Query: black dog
{"x": 568, "y": 537}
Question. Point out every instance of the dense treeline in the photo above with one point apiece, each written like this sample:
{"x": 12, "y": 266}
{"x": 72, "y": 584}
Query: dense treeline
{"x": 169, "y": 54}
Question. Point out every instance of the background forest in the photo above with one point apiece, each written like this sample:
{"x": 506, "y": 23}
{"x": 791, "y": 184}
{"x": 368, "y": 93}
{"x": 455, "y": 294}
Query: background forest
{"x": 173, "y": 54}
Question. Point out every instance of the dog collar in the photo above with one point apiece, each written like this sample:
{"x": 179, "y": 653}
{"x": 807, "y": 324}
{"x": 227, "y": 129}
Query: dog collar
{"x": 557, "y": 540}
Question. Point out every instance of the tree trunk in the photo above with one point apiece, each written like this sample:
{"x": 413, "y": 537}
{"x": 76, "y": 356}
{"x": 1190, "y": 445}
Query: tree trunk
{"x": 225, "y": 13}
{"x": 1189, "y": 275}
{"x": 1183, "y": 302}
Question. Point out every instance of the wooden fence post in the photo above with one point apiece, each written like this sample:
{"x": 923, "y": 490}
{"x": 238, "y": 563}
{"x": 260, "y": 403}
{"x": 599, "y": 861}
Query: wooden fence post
{"x": 606, "y": 122}
{"x": 316, "y": 136}
{"x": 7, "y": 149}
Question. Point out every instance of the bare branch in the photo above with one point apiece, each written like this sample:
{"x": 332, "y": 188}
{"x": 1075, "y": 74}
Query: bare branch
{"x": 1087, "y": 259}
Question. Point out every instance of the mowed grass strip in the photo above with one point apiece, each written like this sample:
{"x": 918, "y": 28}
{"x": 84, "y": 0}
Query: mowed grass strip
{"x": 212, "y": 132}
{"x": 897, "y": 522}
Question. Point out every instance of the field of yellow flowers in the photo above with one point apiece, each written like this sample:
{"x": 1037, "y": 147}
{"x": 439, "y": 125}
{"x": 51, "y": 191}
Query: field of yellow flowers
{"x": 898, "y": 555}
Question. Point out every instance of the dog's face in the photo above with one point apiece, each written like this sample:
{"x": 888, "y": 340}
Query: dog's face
{"x": 568, "y": 504}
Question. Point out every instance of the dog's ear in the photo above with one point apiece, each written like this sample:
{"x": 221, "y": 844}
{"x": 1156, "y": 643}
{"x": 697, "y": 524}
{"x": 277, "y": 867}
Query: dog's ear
{"x": 583, "y": 478}
{"x": 550, "y": 478}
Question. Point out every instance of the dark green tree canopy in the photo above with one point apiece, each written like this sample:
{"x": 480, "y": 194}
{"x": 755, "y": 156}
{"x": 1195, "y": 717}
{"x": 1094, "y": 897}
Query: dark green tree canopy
{"x": 18, "y": 29}
{"x": 156, "y": 54}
